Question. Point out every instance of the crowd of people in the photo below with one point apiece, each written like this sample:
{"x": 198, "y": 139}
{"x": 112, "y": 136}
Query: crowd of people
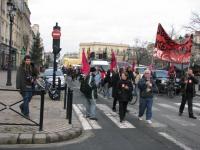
{"x": 122, "y": 84}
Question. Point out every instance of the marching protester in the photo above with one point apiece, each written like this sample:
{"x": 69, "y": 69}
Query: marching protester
{"x": 115, "y": 79}
{"x": 146, "y": 86}
{"x": 188, "y": 92}
{"x": 124, "y": 92}
{"x": 107, "y": 84}
{"x": 26, "y": 75}
{"x": 137, "y": 79}
{"x": 90, "y": 92}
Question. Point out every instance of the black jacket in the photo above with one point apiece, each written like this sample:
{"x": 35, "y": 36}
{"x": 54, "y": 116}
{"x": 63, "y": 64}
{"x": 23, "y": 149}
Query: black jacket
{"x": 189, "y": 87}
{"x": 115, "y": 80}
{"x": 124, "y": 95}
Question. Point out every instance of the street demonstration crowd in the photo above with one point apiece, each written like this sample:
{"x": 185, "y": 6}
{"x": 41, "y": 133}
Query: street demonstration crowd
{"x": 124, "y": 83}
{"x": 121, "y": 84}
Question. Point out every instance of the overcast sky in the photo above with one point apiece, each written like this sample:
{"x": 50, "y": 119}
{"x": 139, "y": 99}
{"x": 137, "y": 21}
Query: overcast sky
{"x": 112, "y": 21}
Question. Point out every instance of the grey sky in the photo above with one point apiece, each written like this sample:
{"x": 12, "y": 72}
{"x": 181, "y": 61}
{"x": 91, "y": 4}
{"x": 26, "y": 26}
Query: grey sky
{"x": 112, "y": 21}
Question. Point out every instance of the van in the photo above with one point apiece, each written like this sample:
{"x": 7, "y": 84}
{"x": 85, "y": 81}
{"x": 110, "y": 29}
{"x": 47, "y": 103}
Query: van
{"x": 102, "y": 64}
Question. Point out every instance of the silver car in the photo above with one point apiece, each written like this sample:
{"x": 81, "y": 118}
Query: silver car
{"x": 48, "y": 75}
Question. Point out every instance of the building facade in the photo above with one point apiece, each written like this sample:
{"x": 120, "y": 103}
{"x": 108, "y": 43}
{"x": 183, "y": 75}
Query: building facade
{"x": 21, "y": 33}
{"x": 101, "y": 49}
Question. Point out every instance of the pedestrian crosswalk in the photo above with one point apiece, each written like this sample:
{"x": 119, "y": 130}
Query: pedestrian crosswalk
{"x": 114, "y": 117}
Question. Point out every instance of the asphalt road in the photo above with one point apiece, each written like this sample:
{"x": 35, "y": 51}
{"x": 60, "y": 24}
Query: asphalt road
{"x": 168, "y": 130}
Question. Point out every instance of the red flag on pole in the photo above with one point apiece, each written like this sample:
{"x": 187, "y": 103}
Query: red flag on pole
{"x": 85, "y": 69}
{"x": 169, "y": 50}
{"x": 113, "y": 63}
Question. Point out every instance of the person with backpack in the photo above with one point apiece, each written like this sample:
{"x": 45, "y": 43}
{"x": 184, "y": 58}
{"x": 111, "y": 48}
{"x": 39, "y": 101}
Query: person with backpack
{"x": 90, "y": 91}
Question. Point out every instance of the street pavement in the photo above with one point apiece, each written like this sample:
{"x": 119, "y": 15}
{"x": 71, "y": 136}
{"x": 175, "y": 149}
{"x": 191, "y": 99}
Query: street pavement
{"x": 168, "y": 130}
{"x": 55, "y": 127}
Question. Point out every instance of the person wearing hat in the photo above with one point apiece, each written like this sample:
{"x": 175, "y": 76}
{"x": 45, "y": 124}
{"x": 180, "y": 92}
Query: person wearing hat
{"x": 91, "y": 95}
{"x": 146, "y": 86}
{"x": 26, "y": 74}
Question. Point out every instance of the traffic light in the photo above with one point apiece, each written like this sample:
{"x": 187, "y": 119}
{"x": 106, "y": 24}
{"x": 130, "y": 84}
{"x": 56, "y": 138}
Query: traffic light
{"x": 56, "y": 39}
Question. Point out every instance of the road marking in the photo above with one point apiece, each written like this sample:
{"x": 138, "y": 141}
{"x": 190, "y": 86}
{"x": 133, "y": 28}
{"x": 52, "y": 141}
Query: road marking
{"x": 178, "y": 120}
{"x": 114, "y": 117}
{"x": 83, "y": 120}
{"x": 167, "y": 106}
{"x": 186, "y": 106}
{"x": 155, "y": 124}
{"x": 197, "y": 104}
{"x": 93, "y": 123}
{"x": 167, "y": 136}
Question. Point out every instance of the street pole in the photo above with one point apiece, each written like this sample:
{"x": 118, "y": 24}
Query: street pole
{"x": 11, "y": 10}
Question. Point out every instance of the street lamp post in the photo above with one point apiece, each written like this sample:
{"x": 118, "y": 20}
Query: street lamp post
{"x": 11, "y": 12}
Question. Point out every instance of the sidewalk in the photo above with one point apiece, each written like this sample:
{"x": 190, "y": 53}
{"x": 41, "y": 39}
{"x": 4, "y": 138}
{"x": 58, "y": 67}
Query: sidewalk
{"x": 55, "y": 126}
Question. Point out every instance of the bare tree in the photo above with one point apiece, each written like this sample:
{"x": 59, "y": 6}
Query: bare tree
{"x": 194, "y": 24}
{"x": 172, "y": 32}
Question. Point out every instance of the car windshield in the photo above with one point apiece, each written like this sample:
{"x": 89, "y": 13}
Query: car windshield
{"x": 49, "y": 72}
{"x": 141, "y": 70}
{"x": 102, "y": 67}
{"x": 161, "y": 74}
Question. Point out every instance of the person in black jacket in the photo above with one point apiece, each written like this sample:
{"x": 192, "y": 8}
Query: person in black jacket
{"x": 188, "y": 92}
{"x": 124, "y": 93}
{"x": 26, "y": 75}
{"x": 115, "y": 79}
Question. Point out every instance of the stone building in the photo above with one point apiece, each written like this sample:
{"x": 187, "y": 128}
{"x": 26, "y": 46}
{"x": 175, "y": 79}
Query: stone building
{"x": 100, "y": 49}
{"x": 21, "y": 33}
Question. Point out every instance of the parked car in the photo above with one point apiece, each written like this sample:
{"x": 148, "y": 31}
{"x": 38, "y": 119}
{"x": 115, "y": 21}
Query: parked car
{"x": 48, "y": 75}
{"x": 161, "y": 79}
{"x": 141, "y": 69}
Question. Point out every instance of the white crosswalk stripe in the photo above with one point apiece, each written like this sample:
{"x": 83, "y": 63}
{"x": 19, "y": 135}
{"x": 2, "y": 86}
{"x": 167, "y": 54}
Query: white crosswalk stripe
{"x": 186, "y": 106}
{"x": 83, "y": 120}
{"x": 93, "y": 123}
{"x": 114, "y": 117}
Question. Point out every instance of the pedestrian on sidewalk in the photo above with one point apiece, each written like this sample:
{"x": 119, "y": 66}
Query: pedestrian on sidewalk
{"x": 26, "y": 75}
{"x": 188, "y": 92}
{"x": 91, "y": 94}
{"x": 146, "y": 86}
{"x": 124, "y": 92}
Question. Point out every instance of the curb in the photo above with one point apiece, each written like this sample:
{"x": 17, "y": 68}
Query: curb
{"x": 40, "y": 138}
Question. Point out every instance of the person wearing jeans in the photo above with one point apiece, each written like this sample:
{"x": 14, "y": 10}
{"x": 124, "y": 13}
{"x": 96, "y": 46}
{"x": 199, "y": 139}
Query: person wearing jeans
{"x": 26, "y": 75}
{"x": 146, "y": 86}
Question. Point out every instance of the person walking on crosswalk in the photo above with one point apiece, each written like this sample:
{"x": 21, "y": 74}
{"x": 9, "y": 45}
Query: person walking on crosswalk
{"x": 91, "y": 94}
{"x": 146, "y": 86}
{"x": 188, "y": 92}
{"x": 124, "y": 92}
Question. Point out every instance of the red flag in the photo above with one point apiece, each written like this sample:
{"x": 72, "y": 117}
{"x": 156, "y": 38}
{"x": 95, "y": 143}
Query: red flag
{"x": 85, "y": 69}
{"x": 113, "y": 63}
{"x": 168, "y": 50}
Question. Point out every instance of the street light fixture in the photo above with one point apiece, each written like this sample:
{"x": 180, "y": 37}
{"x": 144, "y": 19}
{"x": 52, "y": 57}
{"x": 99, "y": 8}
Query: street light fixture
{"x": 11, "y": 12}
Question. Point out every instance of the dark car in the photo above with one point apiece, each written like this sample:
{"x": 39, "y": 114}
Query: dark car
{"x": 161, "y": 79}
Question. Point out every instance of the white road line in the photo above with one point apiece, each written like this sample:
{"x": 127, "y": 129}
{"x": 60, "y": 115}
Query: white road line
{"x": 114, "y": 117}
{"x": 167, "y": 106}
{"x": 178, "y": 120}
{"x": 155, "y": 124}
{"x": 93, "y": 123}
{"x": 83, "y": 120}
{"x": 197, "y": 104}
{"x": 186, "y": 106}
{"x": 181, "y": 145}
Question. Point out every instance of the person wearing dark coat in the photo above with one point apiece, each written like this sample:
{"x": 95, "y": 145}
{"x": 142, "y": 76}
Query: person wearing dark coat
{"x": 124, "y": 92}
{"x": 115, "y": 78}
{"x": 188, "y": 92}
{"x": 26, "y": 75}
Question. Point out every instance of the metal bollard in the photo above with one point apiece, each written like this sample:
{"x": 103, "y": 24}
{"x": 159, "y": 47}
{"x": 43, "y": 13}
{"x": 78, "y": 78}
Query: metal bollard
{"x": 59, "y": 88}
{"x": 41, "y": 110}
{"x": 68, "y": 103}
{"x": 65, "y": 96}
{"x": 70, "y": 106}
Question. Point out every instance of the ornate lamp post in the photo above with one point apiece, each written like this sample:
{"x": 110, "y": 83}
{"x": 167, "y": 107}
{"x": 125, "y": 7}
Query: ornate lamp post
{"x": 11, "y": 12}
